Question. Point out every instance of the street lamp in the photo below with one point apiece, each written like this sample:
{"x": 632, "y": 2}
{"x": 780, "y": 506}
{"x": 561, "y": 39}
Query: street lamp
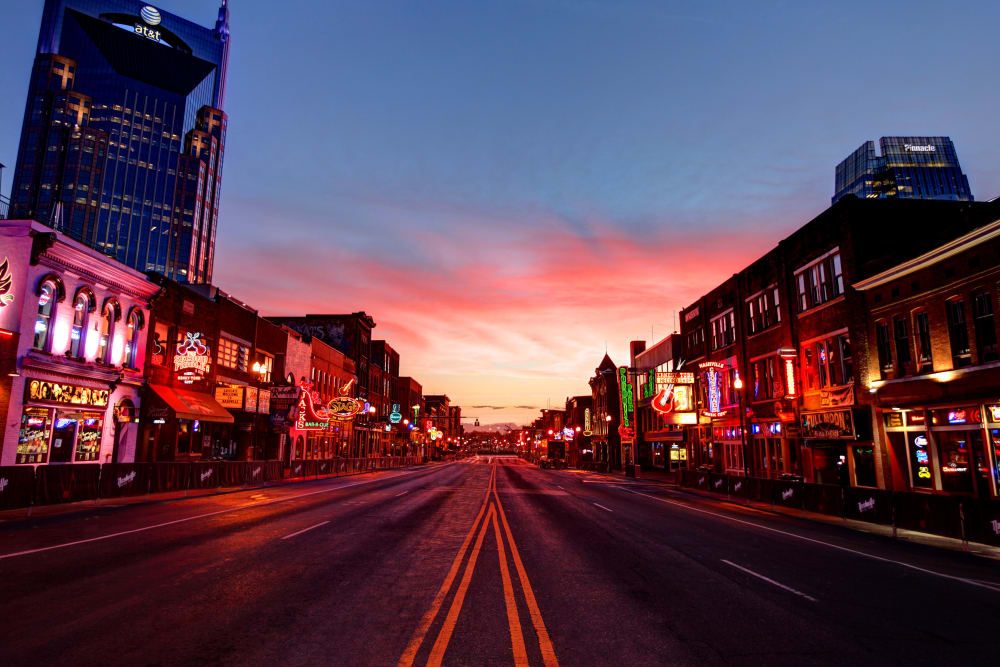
{"x": 738, "y": 386}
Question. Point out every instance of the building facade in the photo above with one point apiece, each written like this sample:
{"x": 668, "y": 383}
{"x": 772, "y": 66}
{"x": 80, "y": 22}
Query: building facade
{"x": 124, "y": 133}
{"x": 72, "y": 346}
{"x": 908, "y": 168}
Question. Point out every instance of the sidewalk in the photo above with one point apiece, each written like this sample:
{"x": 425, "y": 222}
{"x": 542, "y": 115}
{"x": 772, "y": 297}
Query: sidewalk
{"x": 59, "y": 509}
{"x": 917, "y": 537}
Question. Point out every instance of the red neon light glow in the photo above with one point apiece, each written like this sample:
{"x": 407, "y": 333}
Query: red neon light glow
{"x": 790, "y": 378}
{"x": 347, "y": 387}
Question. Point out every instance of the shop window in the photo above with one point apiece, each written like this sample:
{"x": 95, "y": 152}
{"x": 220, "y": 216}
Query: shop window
{"x": 958, "y": 333}
{"x": 819, "y": 281}
{"x": 33, "y": 438}
{"x": 45, "y": 317}
{"x": 925, "y": 358}
{"x": 82, "y": 307}
{"x": 920, "y": 459}
{"x": 955, "y": 450}
{"x": 884, "y": 352}
{"x": 986, "y": 330}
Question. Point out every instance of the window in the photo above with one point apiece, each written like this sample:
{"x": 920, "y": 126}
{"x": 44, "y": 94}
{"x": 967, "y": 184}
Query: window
{"x": 828, "y": 363}
{"x": 106, "y": 332}
{"x": 901, "y": 334}
{"x": 925, "y": 358}
{"x": 766, "y": 379}
{"x": 986, "y": 331}
{"x": 820, "y": 281}
{"x": 958, "y": 333}
{"x": 46, "y": 310}
{"x": 723, "y": 330}
{"x": 78, "y": 334}
{"x": 695, "y": 342}
{"x": 161, "y": 334}
{"x": 265, "y": 368}
{"x": 884, "y": 352}
{"x": 762, "y": 310}
{"x": 233, "y": 355}
{"x": 131, "y": 340}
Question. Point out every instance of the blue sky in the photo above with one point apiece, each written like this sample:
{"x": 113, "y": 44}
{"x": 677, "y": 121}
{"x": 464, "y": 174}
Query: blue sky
{"x": 464, "y": 166}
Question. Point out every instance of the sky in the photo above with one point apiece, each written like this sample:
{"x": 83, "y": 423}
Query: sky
{"x": 512, "y": 187}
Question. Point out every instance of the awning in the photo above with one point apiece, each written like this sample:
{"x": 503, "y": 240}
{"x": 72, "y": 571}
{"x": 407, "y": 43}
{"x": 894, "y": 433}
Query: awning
{"x": 192, "y": 404}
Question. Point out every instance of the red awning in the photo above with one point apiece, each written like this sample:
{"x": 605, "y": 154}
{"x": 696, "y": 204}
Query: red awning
{"x": 192, "y": 404}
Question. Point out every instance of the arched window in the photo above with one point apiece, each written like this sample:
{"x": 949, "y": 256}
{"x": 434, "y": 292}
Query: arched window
{"x": 46, "y": 311}
{"x": 105, "y": 332}
{"x": 83, "y": 305}
{"x": 135, "y": 322}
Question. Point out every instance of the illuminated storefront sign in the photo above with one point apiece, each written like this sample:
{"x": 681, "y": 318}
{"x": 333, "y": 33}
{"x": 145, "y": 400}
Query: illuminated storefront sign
{"x": 395, "y": 417}
{"x": 308, "y": 419}
{"x": 42, "y": 390}
{"x": 229, "y": 396}
{"x": 713, "y": 387}
{"x": 6, "y": 283}
{"x": 344, "y": 408}
{"x": 922, "y": 458}
{"x": 673, "y": 392}
{"x": 192, "y": 361}
{"x": 665, "y": 378}
{"x": 787, "y": 356}
{"x": 830, "y": 425}
{"x": 994, "y": 412}
{"x": 627, "y": 394}
{"x": 586, "y": 422}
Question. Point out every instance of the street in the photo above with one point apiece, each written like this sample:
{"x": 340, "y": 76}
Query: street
{"x": 480, "y": 562}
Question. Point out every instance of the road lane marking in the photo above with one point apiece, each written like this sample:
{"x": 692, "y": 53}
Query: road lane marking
{"x": 601, "y": 506}
{"x": 544, "y": 643}
{"x": 513, "y": 618}
{"x": 972, "y": 582}
{"x": 305, "y": 530}
{"x": 400, "y": 494}
{"x": 207, "y": 514}
{"x": 444, "y": 635}
{"x": 425, "y": 623}
{"x": 770, "y": 581}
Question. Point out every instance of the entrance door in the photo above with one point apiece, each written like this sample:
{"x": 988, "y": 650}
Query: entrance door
{"x": 63, "y": 440}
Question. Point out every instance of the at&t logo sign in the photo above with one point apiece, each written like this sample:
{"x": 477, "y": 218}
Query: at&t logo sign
{"x": 151, "y": 17}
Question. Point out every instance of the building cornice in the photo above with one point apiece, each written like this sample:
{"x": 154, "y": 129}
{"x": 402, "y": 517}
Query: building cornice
{"x": 968, "y": 241}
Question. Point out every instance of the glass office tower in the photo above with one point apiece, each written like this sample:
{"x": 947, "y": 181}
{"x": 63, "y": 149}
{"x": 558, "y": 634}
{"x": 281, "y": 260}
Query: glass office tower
{"x": 124, "y": 135}
{"x": 909, "y": 168}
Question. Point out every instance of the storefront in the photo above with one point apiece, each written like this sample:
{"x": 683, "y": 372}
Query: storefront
{"x": 180, "y": 424}
{"x": 61, "y": 423}
{"x": 727, "y": 437}
{"x": 949, "y": 449}
{"x": 838, "y": 448}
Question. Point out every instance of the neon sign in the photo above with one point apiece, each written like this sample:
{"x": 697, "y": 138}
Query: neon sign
{"x": 395, "y": 417}
{"x": 5, "y": 283}
{"x": 787, "y": 356}
{"x": 586, "y": 422}
{"x": 673, "y": 391}
{"x": 627, "y": 393}
{"x": 308, "y": 419}
{"x": 994, "y": 413}
{"x": 713, "y": 383}
{"x": 192, "y": 360}
{"x": 343, "y": 408}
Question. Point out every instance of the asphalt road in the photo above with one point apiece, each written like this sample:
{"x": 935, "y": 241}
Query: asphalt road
{"x": 485, "y": 562}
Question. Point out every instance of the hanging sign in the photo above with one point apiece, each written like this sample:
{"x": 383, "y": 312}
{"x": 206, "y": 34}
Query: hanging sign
{"x": 586, "y": 423}
{"x": 713, "y": 387}
{"x": 308, "y": 418}
{"x": 395, "y": 417}
{"x": 627, "y": 394}
{"x": 229, "y": 396}
{"x": 344, "y": 408}
{"x": 192, "y": 360}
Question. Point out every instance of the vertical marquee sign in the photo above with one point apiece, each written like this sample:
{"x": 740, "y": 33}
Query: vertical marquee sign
{"x": 712, "y": 371}
{"x": 627, "y": 393}
{"x": 586, "y": 423}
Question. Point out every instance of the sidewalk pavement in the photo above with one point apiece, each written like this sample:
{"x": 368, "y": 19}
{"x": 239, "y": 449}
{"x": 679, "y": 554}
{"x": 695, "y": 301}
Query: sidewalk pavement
{"x": 59, "y": 509}
{"x": 917, "y": 537}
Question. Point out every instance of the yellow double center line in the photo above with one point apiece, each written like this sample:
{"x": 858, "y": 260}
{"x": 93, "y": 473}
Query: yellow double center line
{"x": 490, "y": 510}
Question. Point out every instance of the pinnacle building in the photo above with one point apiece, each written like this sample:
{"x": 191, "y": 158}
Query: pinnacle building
{"x": 124, "y": 133}
{"x": 908, "y": 168}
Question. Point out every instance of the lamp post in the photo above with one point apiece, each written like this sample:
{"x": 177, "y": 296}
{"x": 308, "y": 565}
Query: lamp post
{"x": 738, "y": 386}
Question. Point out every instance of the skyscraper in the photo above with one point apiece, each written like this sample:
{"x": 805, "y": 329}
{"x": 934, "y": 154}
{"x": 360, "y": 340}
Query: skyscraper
{"x": 909, "y": 168}
{"x": 124, "y": 134}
